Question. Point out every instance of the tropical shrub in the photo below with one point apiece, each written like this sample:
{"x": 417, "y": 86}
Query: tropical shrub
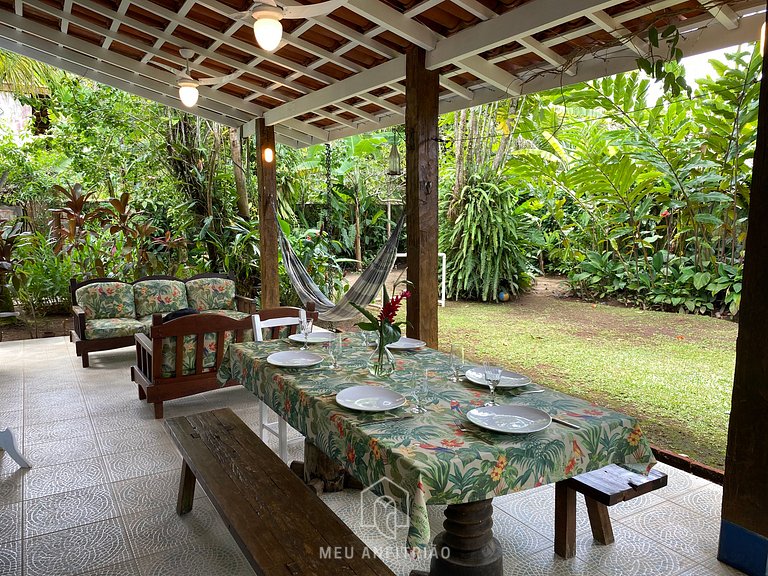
{"x": 489, "y": 240}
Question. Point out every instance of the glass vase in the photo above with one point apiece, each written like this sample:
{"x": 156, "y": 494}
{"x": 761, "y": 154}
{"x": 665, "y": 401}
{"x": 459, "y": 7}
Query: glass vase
{"x": 381, "y": 362}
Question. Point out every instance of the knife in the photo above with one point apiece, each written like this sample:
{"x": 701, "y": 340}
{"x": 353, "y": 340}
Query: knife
{"x": 566, "y": 423}
{"x": 393, "y": 419}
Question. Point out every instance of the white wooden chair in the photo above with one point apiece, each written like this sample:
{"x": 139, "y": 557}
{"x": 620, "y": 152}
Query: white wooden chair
{"x": 273, "y": 321}
{"x": 8, "y": 444}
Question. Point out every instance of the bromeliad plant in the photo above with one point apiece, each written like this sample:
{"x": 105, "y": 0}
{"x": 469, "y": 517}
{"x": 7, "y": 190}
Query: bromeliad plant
{"x": 386, "y": 327}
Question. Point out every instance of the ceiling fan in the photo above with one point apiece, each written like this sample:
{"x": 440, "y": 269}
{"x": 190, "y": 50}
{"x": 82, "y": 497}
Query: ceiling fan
{"x": 268, "y": 13}
{"x": 188, "y": 92}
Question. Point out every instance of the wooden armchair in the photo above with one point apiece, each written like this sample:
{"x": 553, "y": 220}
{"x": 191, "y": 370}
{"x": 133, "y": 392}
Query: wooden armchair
{"x": 165, "y": 370}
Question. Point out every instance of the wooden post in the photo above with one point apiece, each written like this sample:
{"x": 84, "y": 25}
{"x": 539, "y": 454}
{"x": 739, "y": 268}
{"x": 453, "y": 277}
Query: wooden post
{"x": 421, "y": 109}
{"x": 744, "y": 524}
{"x": 265, "y": 171}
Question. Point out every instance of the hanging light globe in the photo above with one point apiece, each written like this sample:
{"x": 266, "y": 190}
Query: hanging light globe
{"x": 188, "y": 93}
{"x": 268, "y": 29}
{"x": 393, "y": 164}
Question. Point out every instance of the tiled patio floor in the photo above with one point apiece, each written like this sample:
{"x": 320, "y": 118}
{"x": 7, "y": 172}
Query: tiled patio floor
{"x": 100, "y": 498}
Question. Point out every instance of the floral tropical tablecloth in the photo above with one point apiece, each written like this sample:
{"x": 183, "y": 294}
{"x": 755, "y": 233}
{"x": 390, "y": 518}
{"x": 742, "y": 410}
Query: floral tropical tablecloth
{"x": 428, "y": 459}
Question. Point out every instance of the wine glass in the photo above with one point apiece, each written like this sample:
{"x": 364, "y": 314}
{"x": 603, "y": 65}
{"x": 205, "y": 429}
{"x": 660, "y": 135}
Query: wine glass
{"x": 492, "y": 377}
{"x": 419, "y": 390}
{"x": 306, "y": 330}
{"x": 334, "y": 351}
{"x": 457, "y": 361}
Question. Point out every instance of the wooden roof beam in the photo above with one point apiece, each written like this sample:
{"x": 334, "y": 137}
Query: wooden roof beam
{"x": 174, "y": 22}
{"x": 33, "y": 46}
{"x": 547, "y": 54}
{"x": 520, "y": 22}
{"x": 393, "y": 20}
{"x": 67, "y": 9}
{"x": 492, "y": 74}
{"x": 121, "y": 10}
{"x": 722, "y": 13}
{"x": 617, "y": 30}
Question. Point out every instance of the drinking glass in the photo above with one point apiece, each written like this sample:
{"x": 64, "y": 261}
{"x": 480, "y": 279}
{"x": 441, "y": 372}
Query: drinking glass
{"x": 419, "y": 390}
{"x": 492, "y": 377}
{"x": 334, "y": 351}
{"x": 306, "y": 330}
{"x": 457, "y": 361}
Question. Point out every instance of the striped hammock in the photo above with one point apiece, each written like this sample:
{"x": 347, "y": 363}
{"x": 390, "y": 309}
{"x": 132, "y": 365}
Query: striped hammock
{"x": 361, "y": 293}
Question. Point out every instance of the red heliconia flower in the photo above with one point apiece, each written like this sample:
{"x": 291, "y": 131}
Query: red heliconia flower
{"x": 389, "y": 310}
{"x": 664, "y": 214}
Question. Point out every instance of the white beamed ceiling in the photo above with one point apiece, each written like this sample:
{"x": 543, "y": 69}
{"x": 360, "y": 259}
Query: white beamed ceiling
{"x": 343, "y": 74}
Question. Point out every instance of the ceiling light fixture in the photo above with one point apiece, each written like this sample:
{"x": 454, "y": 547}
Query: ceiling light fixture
{"x": 267, "y": 27}
{"x": 188, "y": 92}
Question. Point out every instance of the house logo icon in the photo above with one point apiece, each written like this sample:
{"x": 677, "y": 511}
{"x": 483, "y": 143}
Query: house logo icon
{"x": 381, "y": 512}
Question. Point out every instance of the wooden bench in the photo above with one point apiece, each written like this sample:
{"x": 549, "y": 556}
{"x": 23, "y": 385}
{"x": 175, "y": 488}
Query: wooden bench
{"x": 601, "y": 488}
{"x": 281, "y": 526}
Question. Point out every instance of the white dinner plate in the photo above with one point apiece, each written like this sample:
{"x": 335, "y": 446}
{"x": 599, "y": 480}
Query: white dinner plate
{"x": 369, "y": 399}
{"x": 476, "y": 375}
{"x": 510, "y": 419}
{"x": 294, "y": 359}
{"x": 406, "y": 344}
{"x": 314, "y": 337}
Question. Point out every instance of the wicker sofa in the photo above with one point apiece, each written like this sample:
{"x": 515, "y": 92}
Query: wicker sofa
{"x": 108, "y": 313}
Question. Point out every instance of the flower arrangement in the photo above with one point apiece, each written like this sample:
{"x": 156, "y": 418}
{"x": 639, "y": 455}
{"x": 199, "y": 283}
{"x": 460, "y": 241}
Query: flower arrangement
{"x": 385, "y": 326}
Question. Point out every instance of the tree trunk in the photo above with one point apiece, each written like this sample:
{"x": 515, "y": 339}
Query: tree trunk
{"x": 237, "y": 165}
{"x": 358, "y": 247}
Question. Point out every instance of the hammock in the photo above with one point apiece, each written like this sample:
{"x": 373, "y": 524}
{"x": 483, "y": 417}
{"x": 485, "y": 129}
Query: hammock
{"x": 361, "y": 293}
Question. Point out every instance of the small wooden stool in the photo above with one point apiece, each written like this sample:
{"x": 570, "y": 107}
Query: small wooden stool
{"x": 601, "y": 488}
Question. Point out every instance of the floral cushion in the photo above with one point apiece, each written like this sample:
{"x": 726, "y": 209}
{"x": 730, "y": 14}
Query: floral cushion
{"x": 153, "y": 296}
{"x": 211, "y": 294}
{"x": 190, "y": 348}
{"x": 236, "y": 314}
{"x": 111, "y": 328}
{"x": 106, "y": 300}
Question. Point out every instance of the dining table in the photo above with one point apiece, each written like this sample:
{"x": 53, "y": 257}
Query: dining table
{"x": 437, "y": 457}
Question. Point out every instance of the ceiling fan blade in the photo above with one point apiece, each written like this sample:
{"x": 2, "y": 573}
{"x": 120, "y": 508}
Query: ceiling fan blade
{"x": 219, "y": 79}
{"x": 240, "y": 15}
{"x": 310, "y": 11}
{"x": 164, "y": 67}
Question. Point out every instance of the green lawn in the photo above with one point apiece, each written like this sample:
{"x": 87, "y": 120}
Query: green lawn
{"x": 674, "y": 372}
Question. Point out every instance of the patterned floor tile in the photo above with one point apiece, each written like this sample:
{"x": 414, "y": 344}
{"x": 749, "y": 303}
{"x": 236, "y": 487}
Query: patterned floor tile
{"x": 52, "y": 431}
{"x": 683, "y": 530}
{"x": 518, "y": 540}
{"x": 707, "y": 500}
{"x": 137, "y": 463}
{"x": 210, "y": 560}
{"x": 632, "y": 554}
{"x": 62, "y": 451}
{"x": 68, "y": 509}
{"x": 46, "y": 480}
{"x": 11, "y": 485}
{"x": 10, "y": 522}
{"x": 162, "y": 529}
{"x": 54, "y": 413}
{"x": 546, "y": 563}
{"x": 149, "y": 492}
{"x": 11, "y": 559}
{"x": 136, "y": 439}
{"x": 131, "y": 417}
{"x": 76, "y": 550}
{"x": 129, "y": 568}
{"x": 713, "y": 567}
{"x": 678, "y": 481}
{"x": 12, "y": 419}
{"x": 536, "y": 508}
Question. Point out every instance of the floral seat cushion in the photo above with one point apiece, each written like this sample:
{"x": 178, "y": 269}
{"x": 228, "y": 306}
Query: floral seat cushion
{"x": 211, "y": 294}
{"x": 236, "y": 314}
{"x": 106, "y": 300}
{"x": 153, "y": 296}
{"x": 111, "y": 328}
{"x": 210, "y": 346}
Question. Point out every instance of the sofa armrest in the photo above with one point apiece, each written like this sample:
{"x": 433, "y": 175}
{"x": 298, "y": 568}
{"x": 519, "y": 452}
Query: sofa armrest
{"x": 245, "y": 304}
{"x": 78, "y": 321}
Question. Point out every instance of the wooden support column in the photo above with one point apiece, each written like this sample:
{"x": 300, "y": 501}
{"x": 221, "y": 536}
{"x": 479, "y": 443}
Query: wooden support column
{"x": 744, "y": 524}
{"x": 266, "y": 174}
{"x": 421, "y": 110}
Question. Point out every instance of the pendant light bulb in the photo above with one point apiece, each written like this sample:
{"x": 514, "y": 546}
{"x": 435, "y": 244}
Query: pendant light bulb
{"x": 268, "y": 29}
{"x": 269, "y": 155}
{"x": 188, "y": 93}
{"x": 393, "y": 164}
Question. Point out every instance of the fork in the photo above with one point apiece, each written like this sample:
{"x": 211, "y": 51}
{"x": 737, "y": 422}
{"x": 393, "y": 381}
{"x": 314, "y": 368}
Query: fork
{"x": 474, "y": 433}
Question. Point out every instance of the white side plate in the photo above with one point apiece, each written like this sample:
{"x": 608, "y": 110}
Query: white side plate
{"x": 406, "y": 344}
{"x": 510, "y": 419}
{"x": 369, "y": 399}
{"x": 314, "y": 337}
{"x": 509, "y": 379}
{"x": 294, "y": 359}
